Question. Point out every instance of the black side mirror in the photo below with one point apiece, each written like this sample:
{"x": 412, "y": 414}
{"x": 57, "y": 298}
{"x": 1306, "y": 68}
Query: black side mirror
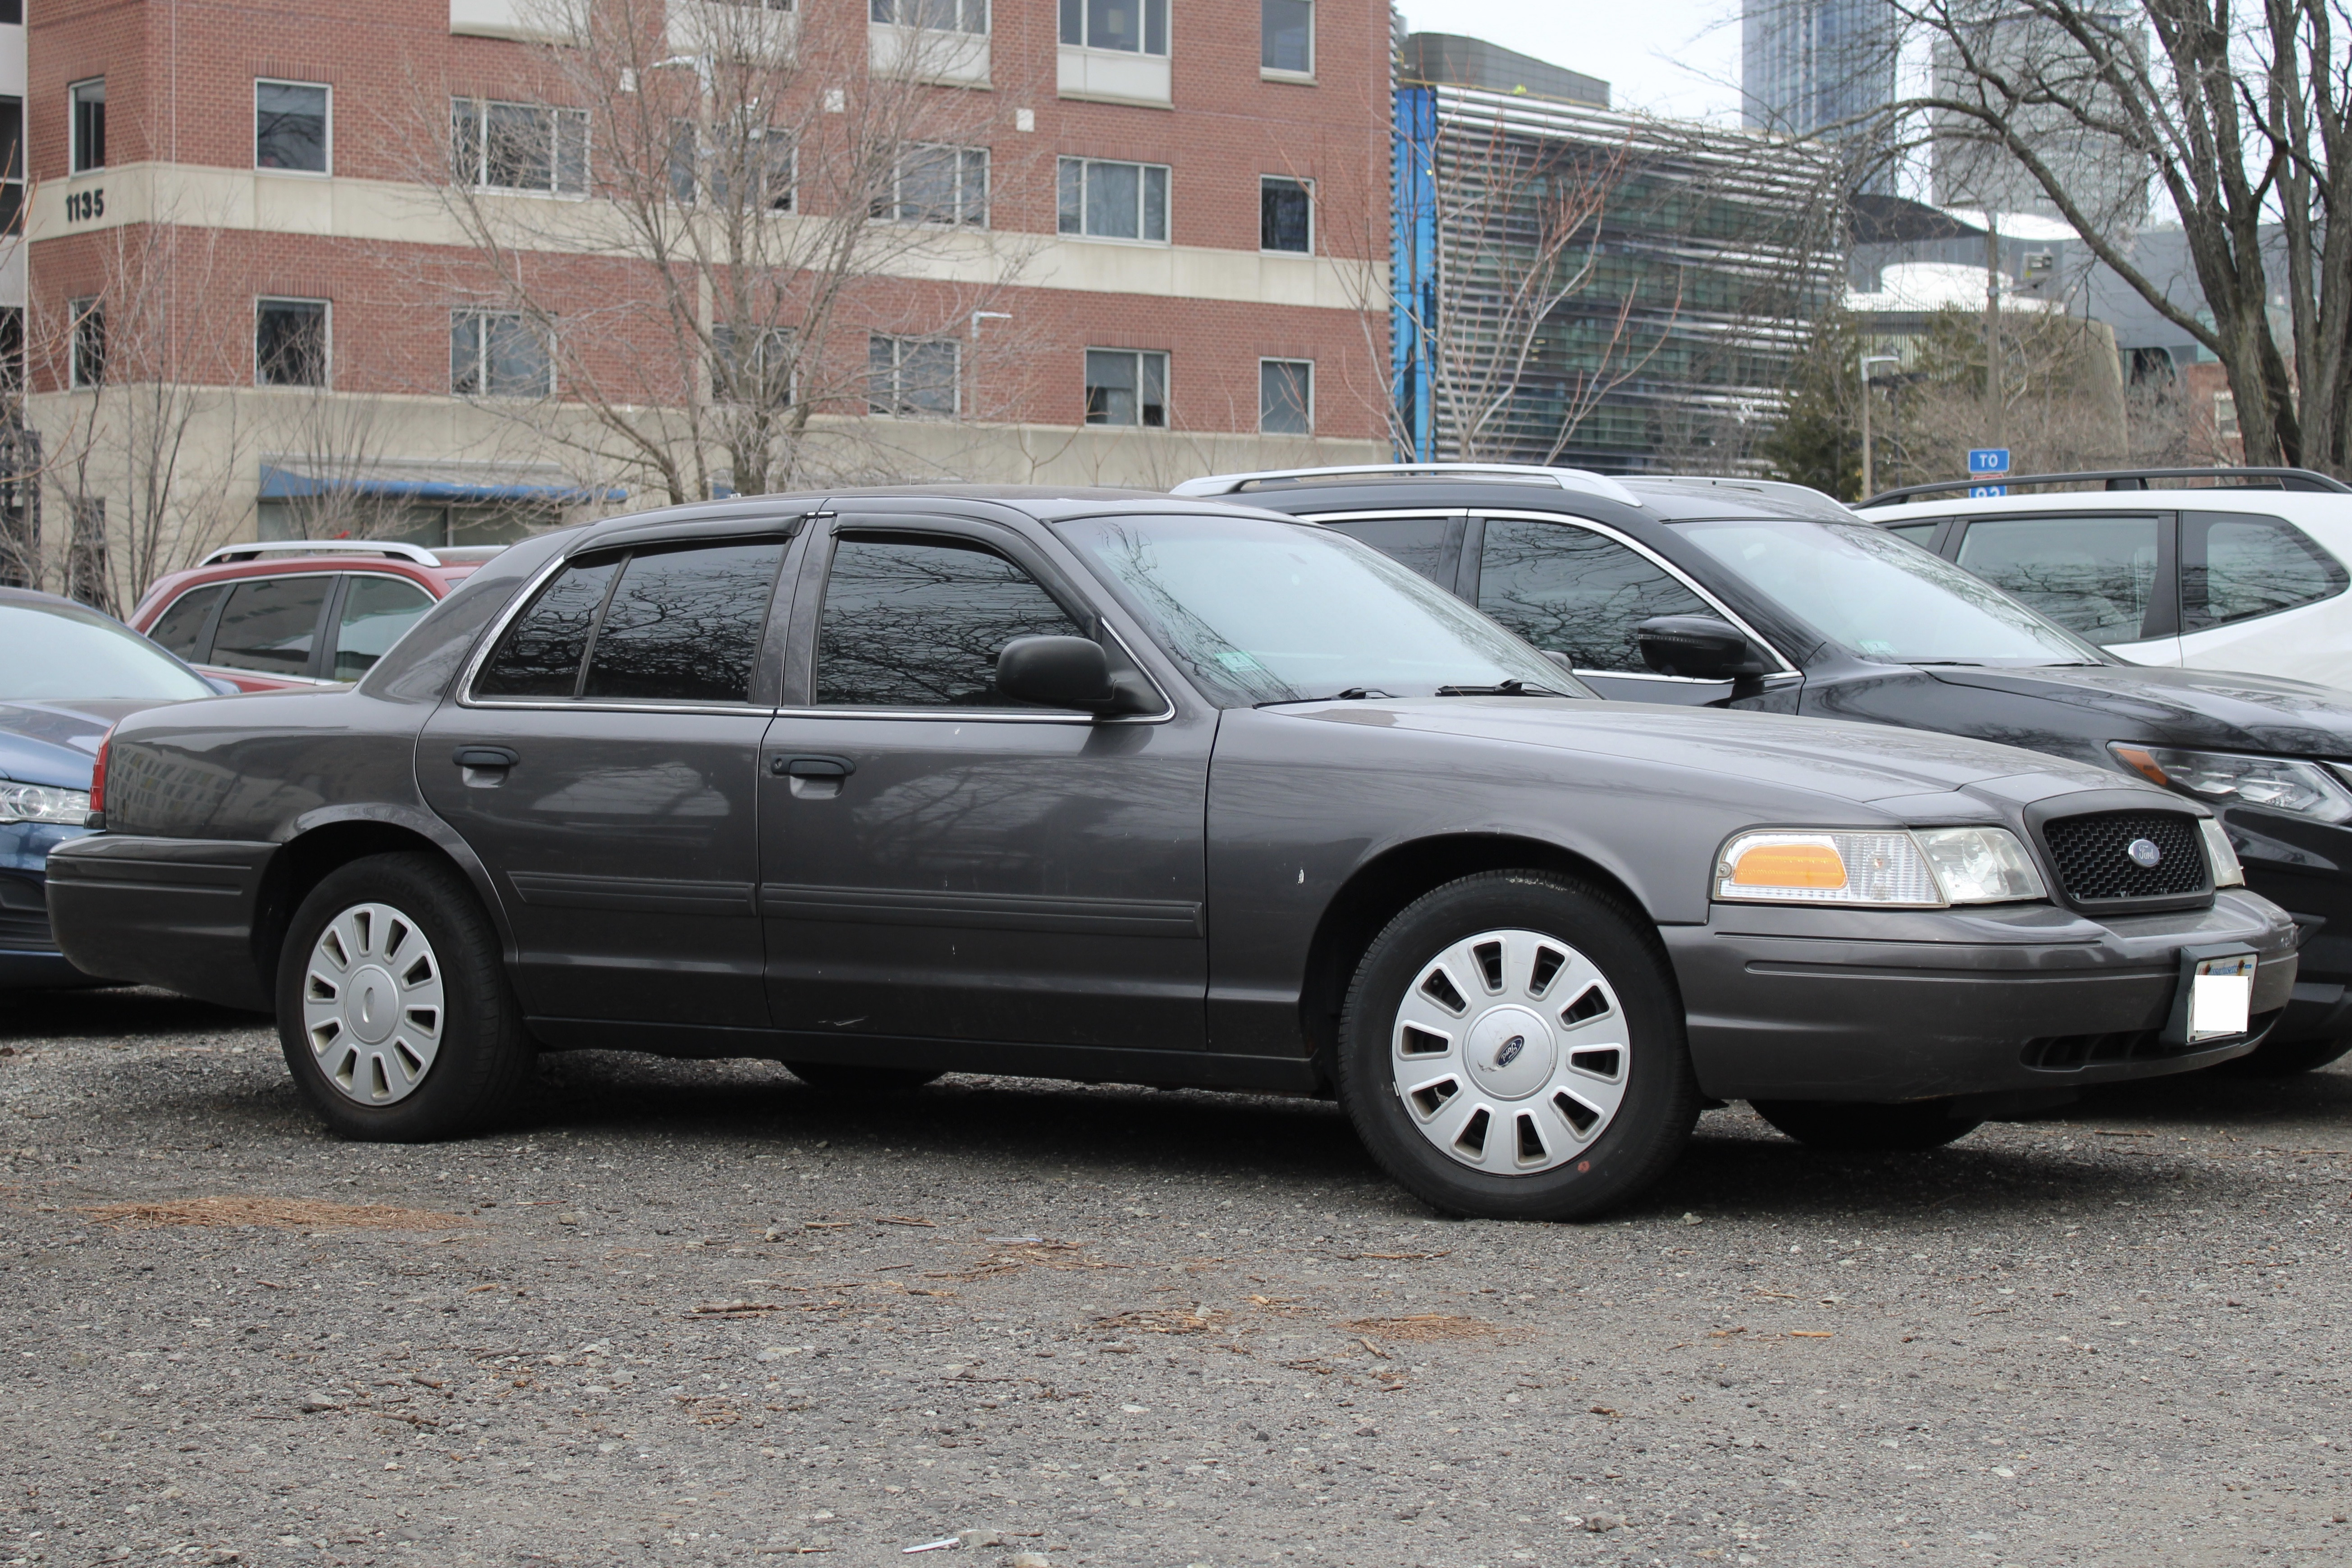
{"x": 1700, "y": 648}
{"x": 1068, "y": 672}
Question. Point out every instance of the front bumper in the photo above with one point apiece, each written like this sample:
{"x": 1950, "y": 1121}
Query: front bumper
{"x": 29, "y": 958}
{"x": 1886, "y": 1005}
{"x": 2304, "y": 867}
{"x": 174, "y": 912}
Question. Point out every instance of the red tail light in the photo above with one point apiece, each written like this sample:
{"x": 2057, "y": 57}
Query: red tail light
{"x": 97, "y": 772}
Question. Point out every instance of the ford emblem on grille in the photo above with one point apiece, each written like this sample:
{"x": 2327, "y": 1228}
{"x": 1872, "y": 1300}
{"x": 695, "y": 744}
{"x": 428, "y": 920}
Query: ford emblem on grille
{"x": 2144, "y": 853}
{"x": 1509, "y": 1051}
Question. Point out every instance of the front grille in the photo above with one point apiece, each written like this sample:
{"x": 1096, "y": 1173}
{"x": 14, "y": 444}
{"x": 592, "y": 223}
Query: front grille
{"x": 21, "y": 933}
{"x": 2072, "y": 1053}
{"x": 2093, "y": 867}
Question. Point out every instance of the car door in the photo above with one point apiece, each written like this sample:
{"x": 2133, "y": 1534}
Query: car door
{"x": 2106, "y": 577}
{"x": 937, "y": 861}
{"x": 2258, "y": 594}
{"x": 603, "y": 761}
{"x": 1572, "y": 588}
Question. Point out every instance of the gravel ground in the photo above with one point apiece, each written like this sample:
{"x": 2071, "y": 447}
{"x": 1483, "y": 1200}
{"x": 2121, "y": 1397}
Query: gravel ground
{"x": 698, "y": 1314}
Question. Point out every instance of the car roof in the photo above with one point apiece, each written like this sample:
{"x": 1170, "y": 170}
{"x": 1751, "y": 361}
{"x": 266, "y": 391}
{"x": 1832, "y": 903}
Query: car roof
{"x": 34, "y": 599}
{"x": 1045, "y": 504}
{"x": 2296, "y": 505}
{"x": 1658, "y": 498}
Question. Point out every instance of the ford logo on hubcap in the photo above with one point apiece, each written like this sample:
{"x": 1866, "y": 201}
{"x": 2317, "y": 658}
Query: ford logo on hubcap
{"x": 2144, "y": 853}
{"x": 1509, "y": 1051}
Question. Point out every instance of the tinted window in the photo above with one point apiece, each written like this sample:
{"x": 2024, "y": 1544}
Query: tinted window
{"x": 376, "y": 610}
{"x": 2090, "y": 574}
{"x": 1430, "y": 545}
{"x": 181, "y": 628}
{"x": 541, "y": 654}
{"x": 271, "y": 624}
{"x": 2234, "y": 567}
{"x": 684, "y": 626}
{"x": 52, "y": 653}
{"x": 1919, "y": 533}
{"x": 918, "y": 624}
{"x": 1572, "y": 591}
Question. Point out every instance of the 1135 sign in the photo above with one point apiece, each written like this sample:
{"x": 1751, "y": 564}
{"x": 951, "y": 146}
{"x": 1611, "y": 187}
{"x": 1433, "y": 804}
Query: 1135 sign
{"x": 83, "y": 205}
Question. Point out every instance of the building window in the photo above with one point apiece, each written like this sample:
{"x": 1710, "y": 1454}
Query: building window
{"x": 1125, "y": 25}
{"x": 12, "y": 366}
{"x": 89, "y": 342}
{"x": 12, "y": 165}
{"x": 912, "y": 378}
{"x": 290, "y": 126}
{"x": 289, "y": 342}
{"x": 2225, "y": 412}
{"x": 498, "y": 353}
{"x": 1127, "y": 386}
{"x": 756, "y": 168}
{"x": 1285, "y": 215}
{"x": 1286, "y": 36}
{"x": 1286, "y": 396}
{"x": 937, "y": 185}
{"x": 1114, "y": 201}
{"x": 763, "y": 378}
{"x": 940, "y": 15}
{"x": 519, "y": 146}
{"x": 89, "y": 124}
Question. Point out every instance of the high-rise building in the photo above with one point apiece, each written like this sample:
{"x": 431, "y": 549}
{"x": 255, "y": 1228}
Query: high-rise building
{"x": 1819, "y": 68}
{"x": 2013, "y": 51}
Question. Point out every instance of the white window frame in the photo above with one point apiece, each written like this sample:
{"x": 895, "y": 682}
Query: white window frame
{"x": 920, "y": 14}
{"x": 898, "y": 345}
{"x": 1304, "y": 184}
{"x": 77, "y": 313}
{"x": 1145, "y": 50}
{"x": 1266, "y": 359}
{"x": 963, "y": 204}
{"x": 1167, "y": 398}
{"x": 329, "y": 88}
{"x": 1143, "y": 200}
{"x": 478, "y": 177}
{"x": 1283, "y": 73}
{"x": 74, "y": 151}
{"x": 326, "y": 343}
{"x": 482, "y": 353}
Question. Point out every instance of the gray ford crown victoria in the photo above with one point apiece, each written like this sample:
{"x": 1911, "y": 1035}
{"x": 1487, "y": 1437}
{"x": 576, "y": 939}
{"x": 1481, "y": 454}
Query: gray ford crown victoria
{"x": 885, "y": 784}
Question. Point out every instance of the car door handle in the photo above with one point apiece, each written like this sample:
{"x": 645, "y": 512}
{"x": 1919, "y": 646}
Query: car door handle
{"x": 834, "y": 768}
{"x": 484, "y": 757}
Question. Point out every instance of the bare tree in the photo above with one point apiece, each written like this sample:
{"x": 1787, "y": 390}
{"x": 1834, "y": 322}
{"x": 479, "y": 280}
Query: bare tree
{"x": 782, "y": 219}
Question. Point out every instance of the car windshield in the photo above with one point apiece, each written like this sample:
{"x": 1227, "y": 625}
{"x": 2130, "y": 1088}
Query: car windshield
{"x": 1884, "y": 597}
{"x": 56, "y": 653}
{"x": 1259, "y": 611}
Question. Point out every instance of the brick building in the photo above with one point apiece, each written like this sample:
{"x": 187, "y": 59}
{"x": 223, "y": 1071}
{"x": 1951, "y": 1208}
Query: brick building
{"x": 446, "y": 269}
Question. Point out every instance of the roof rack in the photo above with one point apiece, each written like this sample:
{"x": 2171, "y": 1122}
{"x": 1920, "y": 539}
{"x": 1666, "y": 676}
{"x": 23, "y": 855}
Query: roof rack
{"x": 1801, "y": 497}
{"x": 393, "y": 549}
{"x": 2132, "y": 479}
{"x": 1525, "y": 473}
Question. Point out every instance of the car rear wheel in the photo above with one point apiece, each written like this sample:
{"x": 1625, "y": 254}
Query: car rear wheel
{"x": 2284, "y": 1058}
{"x": 1512, "y": 1047}
{"x": 844, "y": 1077}
{"x": 1836, "y": 1124}
{"x": 393, "y": 1003}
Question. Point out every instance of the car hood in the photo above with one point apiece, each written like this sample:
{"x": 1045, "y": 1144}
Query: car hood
{"x": 55, "y": 743}
{"x": 2216, "y": 708}
{"x": 1844, "y": 761}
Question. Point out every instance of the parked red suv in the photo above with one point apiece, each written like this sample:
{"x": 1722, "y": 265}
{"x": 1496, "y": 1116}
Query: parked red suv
{"x": 300, "y": 612}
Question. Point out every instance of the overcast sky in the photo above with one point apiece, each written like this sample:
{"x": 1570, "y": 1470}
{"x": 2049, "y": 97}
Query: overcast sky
{"x": 1678, "y": 58}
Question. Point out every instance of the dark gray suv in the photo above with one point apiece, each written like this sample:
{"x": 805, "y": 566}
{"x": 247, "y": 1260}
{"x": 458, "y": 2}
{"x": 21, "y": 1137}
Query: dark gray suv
{"x": 884, "y": 784}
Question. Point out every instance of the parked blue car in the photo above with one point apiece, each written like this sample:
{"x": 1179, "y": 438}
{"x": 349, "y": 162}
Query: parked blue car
{"x": 66, "y": 674}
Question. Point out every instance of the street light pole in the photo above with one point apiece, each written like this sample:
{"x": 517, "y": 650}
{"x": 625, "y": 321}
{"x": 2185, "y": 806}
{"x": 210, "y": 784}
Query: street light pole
{"x": 1869, "y": 467}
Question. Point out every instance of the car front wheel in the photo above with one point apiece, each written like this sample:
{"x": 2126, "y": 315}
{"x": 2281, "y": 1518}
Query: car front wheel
{"x": 393, "y": 1003}
{"x": 1512, "y": 1047}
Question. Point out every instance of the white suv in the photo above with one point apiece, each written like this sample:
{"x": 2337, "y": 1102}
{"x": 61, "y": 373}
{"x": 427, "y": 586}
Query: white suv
{"x": 2247, "y": 573}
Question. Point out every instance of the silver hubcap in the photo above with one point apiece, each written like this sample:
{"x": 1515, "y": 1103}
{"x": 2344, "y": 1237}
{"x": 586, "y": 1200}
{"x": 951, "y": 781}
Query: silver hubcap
{"x": 372, "y": 1004}
{"x": 1510, "y": 1052}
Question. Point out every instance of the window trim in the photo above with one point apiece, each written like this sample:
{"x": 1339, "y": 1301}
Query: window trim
{"x": 1166, "y": 215}
{"x": 74, "y": 149}
{"x": 1167, "y": 398}
{"x": 326, "y": 343}
{"x": 329, "y": 145}
{"x": 1266, "y": 359}
{"x": 961, "y": 155}
{"x": 1305, "y": 185}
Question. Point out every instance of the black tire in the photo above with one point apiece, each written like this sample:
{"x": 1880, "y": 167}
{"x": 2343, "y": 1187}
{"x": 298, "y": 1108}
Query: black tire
{"x": 1652, "y": 1120}
{"x": 844, "y": 1077}
{"x": 482, "y": 1055}
{"x": 1838, "y": 1124}
{"x": 2284, "y": 1058}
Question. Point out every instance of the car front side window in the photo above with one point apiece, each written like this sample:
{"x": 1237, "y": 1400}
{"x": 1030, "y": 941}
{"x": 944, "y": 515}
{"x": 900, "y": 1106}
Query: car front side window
{"x": 182, "y": 627}
{"x": 1570, "y": 590}
{"x": 918, "y": 621}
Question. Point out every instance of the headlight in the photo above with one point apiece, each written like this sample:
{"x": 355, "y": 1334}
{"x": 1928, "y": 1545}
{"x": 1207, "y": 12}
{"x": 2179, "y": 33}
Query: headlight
{"x": 2274, "y": 784}
{"x": 2226, "y": 872}
{"x": 1928, "y": 868}
{"x": 42, "y": 803}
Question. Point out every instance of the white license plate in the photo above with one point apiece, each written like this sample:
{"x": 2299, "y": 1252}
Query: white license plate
{"x": 2220, "y": 995}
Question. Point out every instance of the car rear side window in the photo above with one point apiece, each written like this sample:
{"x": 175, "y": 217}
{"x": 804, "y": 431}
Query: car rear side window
{"x": 684, "y": 626}
{"x": 2237, "y": 565}
{"x": 541, "y": 654}
{"x": 1572, "y": 591}
{"x": 2094, "y": 575}
{"x": 918, "y": 622}
{"x": 271, "y": 624}
{"x": 1430, "y": 545}
{"x": 376, "y": 610}
{"x": 182, "y": 627}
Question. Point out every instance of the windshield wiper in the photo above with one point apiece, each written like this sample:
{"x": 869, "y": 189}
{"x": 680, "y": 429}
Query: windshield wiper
{"x": 1353, "y": 694}
{"x": 1501, "y": 689}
